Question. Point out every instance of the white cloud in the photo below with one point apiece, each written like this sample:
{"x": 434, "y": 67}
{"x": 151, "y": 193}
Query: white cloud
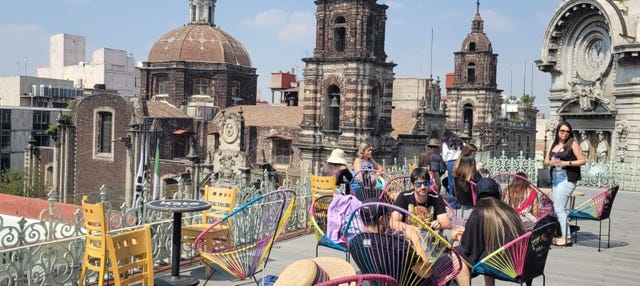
{"x": 268, "y": 19}
{"x": 497, "y": 22}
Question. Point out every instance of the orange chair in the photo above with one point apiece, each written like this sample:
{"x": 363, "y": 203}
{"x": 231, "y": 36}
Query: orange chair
{"x": 131, "y": 256}
{"x": 95, "y": 251}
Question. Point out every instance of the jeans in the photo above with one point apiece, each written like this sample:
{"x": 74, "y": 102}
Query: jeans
{"x": 450, "y": 164}
{"x": 562, "y": 189}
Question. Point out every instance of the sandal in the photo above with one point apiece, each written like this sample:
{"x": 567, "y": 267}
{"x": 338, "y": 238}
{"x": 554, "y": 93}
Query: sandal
{"x": 567, "y": 242}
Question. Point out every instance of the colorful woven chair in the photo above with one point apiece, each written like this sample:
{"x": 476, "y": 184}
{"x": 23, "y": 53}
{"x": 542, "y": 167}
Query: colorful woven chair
{"x": 597, "y": 208}
{"x": 520, "y": 260}
{"x": 544, "y": 206}
{"x": 321, "y": 185}
{"x": 394, "y": 187}
{"x": 254, "y": 228}
{"x": 410, "y": 253}
{"x": 366, "y": 184}
{"x": 357, "y": 280}
{"x": 318, "y": 213}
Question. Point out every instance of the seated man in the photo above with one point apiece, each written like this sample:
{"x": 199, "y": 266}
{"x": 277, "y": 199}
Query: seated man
{"x": 377, "y": 249}
{"x": 423, "y": 202}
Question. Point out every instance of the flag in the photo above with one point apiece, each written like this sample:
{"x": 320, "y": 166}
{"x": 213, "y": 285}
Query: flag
{"x": 137, "y": 193}
{"x": 156, "y": 173}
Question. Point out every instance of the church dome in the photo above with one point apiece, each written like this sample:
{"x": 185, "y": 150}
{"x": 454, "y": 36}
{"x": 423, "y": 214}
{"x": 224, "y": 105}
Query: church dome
{"x": 199, "y": 43}
{"x": 477, "y": 40}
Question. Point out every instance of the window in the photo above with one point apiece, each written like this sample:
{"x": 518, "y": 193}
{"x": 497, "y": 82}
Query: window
{"x": 104, "y": 129}
{"x": 281, "y": 151}
{"x": 235, "y": 89}
{"x": 180, "y": 145}
{"x": 5, "y": 141}
{"x": 339, "y": 34}
{"x": 200, "y": 86}
{"x": 163, "y": 85}
{"x": 371, "y": 34}
{"x": 472, "y": 47}
{"x": 471, "y": 73}
{"x": 5, "y": 162}
{"x": 5, "y": 119}
{"x": 40, "y": 120}
{"x": 468, "y": 117}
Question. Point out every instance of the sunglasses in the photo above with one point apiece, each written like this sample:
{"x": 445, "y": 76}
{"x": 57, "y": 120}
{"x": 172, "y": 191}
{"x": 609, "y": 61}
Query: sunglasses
{"x": 564, "y": 131}
{"x": 420, "y": 184}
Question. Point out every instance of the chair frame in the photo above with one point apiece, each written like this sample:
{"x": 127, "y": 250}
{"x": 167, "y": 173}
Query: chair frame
{"x": 521, "y": 259}
{"x": 438, "y": 247}
{"x": 321, "y": 185}
{"x": 320, "y": 226}
{"x": 389, "y": 191}
{"x": 596, "y": 208}
{"x": 366, "y": 179}
{"x": 379, "y": 279}
{"x": 285, "y": 200}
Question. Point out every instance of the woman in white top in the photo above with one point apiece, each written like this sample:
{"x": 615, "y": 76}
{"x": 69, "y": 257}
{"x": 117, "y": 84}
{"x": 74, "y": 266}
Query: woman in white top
{"x": 451, "y": 147}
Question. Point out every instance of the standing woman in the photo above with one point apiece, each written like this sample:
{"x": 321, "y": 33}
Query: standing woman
{"x": 565, "y": 157}
{"x": 451, "y": 148}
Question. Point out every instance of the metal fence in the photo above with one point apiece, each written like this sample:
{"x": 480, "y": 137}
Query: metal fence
{"x": 49, "y": 251}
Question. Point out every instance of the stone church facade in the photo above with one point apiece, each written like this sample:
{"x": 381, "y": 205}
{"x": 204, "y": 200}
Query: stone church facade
{"x": 591, "y": 50}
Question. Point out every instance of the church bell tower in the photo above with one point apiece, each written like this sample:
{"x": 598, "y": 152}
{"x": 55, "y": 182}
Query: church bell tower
{"x": 348, "y": 83}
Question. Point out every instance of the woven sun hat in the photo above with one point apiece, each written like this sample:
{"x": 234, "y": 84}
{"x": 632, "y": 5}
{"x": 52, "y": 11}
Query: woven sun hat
{"x": 433, "y": 142}
{"x": 308, "y": 272}
{"x": 337, "y": 157}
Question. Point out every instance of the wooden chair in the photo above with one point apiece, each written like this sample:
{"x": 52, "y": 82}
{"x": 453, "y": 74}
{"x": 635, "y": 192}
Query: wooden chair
{"x": 222, "y": 201}
{"x": 597, "y": 208}
{"x": 96, "y": 247}
{"x": 254, "y": 228}
{"x": 131, "y": 256}
{"x": 322, "y": 185}
{"x": 520, "y": 260}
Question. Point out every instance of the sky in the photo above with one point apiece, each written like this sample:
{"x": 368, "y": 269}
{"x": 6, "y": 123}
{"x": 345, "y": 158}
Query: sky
{"x": 421, "y": 35}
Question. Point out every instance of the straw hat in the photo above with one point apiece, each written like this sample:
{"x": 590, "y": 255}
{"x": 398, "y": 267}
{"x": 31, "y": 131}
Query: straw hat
{"x": 308, "y": 272}
{"x": 337, "y": 157}
{"x": 433, "y": 142}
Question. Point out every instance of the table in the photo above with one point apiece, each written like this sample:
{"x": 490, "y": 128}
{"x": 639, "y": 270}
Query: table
{"x": 177, "y": 207}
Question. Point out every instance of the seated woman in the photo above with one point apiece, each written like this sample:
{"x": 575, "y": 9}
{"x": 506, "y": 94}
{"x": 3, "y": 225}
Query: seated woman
{"x": 464, "y": 172}
{"x": 491, "y": 225}
{"x": 522, "y": 199}
{"x": 337, "y": 166}
{"x": 365, "y": 160}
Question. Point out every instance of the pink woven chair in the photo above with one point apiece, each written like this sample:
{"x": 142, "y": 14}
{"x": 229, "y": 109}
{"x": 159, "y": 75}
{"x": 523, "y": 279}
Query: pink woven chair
{"x": 394, "y": 187}
{"x": 371, "y": 279}
{"x": 597, "y": 208}
{"x": 520, "y": 260}
{"x": 544, "y": 204}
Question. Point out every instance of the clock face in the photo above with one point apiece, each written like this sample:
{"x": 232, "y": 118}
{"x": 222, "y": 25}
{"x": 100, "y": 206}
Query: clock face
{"x": 597, "y": 52}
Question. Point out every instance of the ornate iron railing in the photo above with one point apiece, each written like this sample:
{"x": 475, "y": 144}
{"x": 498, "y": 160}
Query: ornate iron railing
{"x": 49, "y": 251}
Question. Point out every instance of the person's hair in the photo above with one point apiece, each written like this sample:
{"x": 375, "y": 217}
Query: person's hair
{"x": 362, "y": 147}
{"x": 330, "y": 169}
{"x": 370, "y": 214}
{"x": 468, "y": 149}
{"x": 452, "y": 140}
{"x": 501, "y": 223}
{"x": 420, "y": 173}
{"x": 516, "y": 193}
{"x": 424, "y": 159}
{"x": 465, "y": 167}
{"x": 570, "y": 136}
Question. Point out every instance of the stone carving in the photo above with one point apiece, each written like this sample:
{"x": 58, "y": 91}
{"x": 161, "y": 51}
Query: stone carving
{"x": 602, "y": 151}
{"x": 587, "y": 93}
{"x": 435, "y": 95}
{"x": 622, "y": 130}
{"x": 585, "y": 144}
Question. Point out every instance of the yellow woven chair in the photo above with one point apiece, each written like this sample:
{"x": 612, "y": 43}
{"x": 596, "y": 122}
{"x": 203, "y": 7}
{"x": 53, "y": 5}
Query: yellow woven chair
{"x": 322, "y": 186}
{"x": 132, "y": 256}
{"x": 96, "y": 249}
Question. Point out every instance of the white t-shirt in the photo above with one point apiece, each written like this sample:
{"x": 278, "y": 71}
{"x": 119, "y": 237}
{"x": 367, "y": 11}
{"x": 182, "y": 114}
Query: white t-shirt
{"x": 449, "y": 154}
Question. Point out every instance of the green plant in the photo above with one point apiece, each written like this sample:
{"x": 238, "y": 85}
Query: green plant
{"x": 527, "y": 99}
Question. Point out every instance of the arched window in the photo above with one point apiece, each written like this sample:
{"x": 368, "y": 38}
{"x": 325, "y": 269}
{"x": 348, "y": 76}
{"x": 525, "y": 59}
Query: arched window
{"x": 468, "y": 118}
{"x": 332, "y": 108}
{"x": 200, "y": 86}
{"x": 339, "y": 34}
{"x": 471, "y": 73}
{"x": 472, "y": 47}
{"x": 371, "y": 34}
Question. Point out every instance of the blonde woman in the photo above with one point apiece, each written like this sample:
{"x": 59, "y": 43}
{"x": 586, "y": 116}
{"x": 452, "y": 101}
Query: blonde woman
{"x": 364, "y": 159}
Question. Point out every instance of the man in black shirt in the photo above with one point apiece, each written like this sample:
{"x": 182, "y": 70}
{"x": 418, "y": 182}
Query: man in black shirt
{"x": 423, "y": 202}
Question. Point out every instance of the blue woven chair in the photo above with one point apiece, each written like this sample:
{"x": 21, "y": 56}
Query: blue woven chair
{"x": 318, "y": 214}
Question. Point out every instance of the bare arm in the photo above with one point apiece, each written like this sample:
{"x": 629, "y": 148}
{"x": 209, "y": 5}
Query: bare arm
{"x": 547, "y": 162}
{"x": 357, "y": 166}
{"x": 442, "y": 222}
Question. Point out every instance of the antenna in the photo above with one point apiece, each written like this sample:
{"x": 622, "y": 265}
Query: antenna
{"x": 431, "y": 56}
{"x": 524, "y": 82}
{"x": 478, "y": 7}
{"x": 511, "y": 84}
{"x": 532, "y": 65}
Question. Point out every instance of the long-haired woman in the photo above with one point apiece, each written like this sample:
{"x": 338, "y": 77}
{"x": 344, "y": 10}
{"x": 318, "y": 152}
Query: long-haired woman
{"x": 565, "y": 157}
{"x": 464, "y": 172}
{"x": 491, "y": 225}
{"x": 523, "y": 199}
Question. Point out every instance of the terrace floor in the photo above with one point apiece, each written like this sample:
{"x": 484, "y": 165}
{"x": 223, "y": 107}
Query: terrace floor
{"x": 581, "y": 264}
